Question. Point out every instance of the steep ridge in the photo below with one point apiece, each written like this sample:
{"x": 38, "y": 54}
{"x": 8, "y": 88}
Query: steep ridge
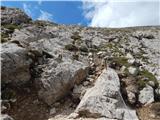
{"x": 58, "y": 72}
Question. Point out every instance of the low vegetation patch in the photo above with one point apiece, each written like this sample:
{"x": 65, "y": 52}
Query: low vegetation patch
{"x": 83, "y": 49}
{"x": 75, "y": 57}
{"x": 76, "y": 36}
{"x": 144, "y": 77}
{"x": 41, "y": 23}
{"x": 8, "y": 94}
{"x": 4, "y": 37}
{"x": 71, "y": 47}
{"x": 12, "y": 27}
{"x": 120, "y": 61}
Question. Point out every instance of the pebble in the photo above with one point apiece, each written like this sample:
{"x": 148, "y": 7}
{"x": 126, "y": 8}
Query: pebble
{"x": 151, "y": 83}
{"x": 73, "y": 116}
{"x": 3, "y": 108}
{"x": 90, "y": 79}
{"x": 152, "y": 115}
{"x": 133, "y": 70}
{"x": 90, "y": 54}
{"x": 85, "y": 83}
{"x": 123, "y": 69}
{"x": 131, "y": 61}
{"x": 129, "y": 56}
{"x": 52, "y": 111}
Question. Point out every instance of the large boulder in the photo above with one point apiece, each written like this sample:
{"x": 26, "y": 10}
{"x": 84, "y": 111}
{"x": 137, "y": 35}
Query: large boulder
{"x": 104, "y": 99}
{"x": 57, "y": 79}
{"x": 15, "y": 64}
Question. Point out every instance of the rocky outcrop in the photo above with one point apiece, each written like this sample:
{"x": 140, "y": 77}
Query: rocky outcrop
{"x": 15, "y": 64}
{"x": 92, "y": 71}
{"x": 13, "y": 16}
{"x": 104, "y": 99}
{"x": 58, "y": 78}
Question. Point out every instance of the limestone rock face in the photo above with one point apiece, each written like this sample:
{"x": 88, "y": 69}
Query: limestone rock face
{"x": 15, "y": 64}
{"x": 13, "y": 16}
{"x": 103, "y": 100}
{"x": 57, "y": 79}
{"x": 55, "y": 59}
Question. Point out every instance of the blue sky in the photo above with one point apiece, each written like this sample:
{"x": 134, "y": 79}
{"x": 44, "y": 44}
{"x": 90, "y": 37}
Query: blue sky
{"x": 107, "y": 13}
{"x": 63, "y": 12}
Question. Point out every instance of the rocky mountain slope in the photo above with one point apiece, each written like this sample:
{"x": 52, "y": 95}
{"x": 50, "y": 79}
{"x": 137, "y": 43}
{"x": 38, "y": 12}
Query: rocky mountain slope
{"x": 59, "y": 72}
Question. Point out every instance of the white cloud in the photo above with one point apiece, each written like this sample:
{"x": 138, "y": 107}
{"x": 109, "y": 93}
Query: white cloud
{"x": 39, "y": 2}
{"x": 26, "y": 8}
{"x": 45, "y": 16}
{"x": 109, "y": 13}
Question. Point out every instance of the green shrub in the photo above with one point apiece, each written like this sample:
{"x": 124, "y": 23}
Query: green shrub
{"x": 76, "y": 36}
{"x": 12, "y": 27}
{"x": 8, "y": 94}
{"x": 141, "y": 84}
{"x": 121, "y": 61}
{"x": 148, "y": 75}
{"x": 144, "y": 77}
{"x": 4, "y": 37}
{"x": 83, "y": 49}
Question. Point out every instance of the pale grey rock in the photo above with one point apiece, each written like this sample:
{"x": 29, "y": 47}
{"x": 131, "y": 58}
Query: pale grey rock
{"x": 104, "y": 98}
{"x": 129, "y": 56}
{"x": 101, "y": 53}
{"x": 100, "y": 100}
{"x": 131, "y": 61}
{"x": 123, "y": 68}
{"x": 85, "y": 83}
{"x": 52, "y": 111}
{"x": 60, "y": 72}
{"x": 15, "y": 64}
{"x": 90, "y": 54}
{"x": 3, "y": 108}
{"x": 146, "y": 95}
{"x": 73, "y": 116}
{"x": 133, "y": 70}
{"x": 58, "y": 78}
{"x": 131, "y": 97}
{"x": 5, "y": 117}
{"x": 126, "y": 114}
{"x": 131, "y": 91}
{"x": 78, "y": 91}
{"x": 151, "y": 83}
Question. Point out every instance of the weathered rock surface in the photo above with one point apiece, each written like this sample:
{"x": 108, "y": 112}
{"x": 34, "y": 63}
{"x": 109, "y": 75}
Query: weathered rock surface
{"x": 146, "y": 95}
{"x": 15, "y": 64}
{"x": 103, "y": 100}
{"x": 13, "y": 16}
{"x": 58, "y": 78}
{"x": 57, "y": 58}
